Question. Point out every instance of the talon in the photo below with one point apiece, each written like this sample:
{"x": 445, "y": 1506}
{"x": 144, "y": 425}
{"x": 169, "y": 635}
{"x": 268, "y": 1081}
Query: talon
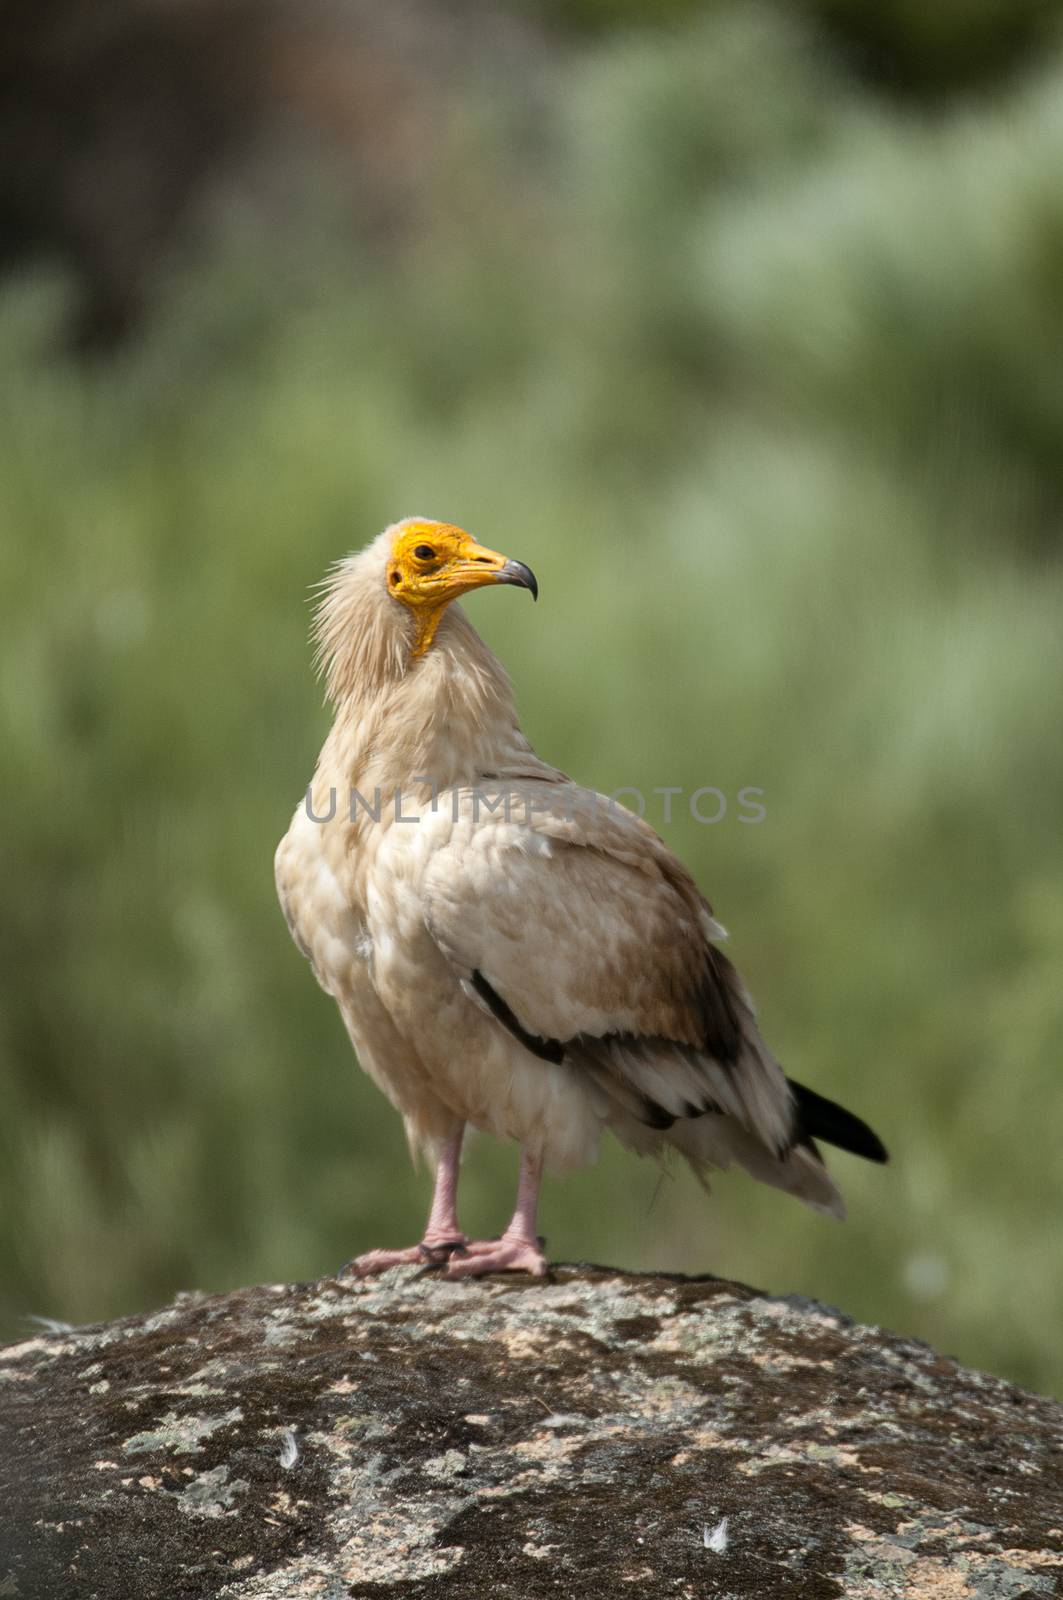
{"x": 437, "y": 1255}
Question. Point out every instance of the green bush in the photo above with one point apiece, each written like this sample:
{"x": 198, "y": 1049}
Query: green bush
{"x": 764, "y": 384}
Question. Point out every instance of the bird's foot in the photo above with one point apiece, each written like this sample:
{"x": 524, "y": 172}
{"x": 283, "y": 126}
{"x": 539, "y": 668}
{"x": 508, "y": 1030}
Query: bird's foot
{"x": 511, "y": 1253}
{"x": 431, "y": 1252}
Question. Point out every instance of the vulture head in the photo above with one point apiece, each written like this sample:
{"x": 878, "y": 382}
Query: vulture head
{"x": 432, "y": 563}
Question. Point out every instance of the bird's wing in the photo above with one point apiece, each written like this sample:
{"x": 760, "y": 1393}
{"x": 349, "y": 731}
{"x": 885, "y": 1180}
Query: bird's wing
{"x": 578, "y": 930}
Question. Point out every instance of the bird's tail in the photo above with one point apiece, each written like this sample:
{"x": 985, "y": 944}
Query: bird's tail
{"x": 714, "y": 1141}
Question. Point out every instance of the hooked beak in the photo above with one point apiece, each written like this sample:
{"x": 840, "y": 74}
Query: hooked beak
{"x": 516, "y": 572}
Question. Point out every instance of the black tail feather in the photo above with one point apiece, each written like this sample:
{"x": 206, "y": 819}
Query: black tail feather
{"x": 820, "y": 1118}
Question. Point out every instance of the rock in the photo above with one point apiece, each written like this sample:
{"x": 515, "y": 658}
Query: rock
{"x": 595, "y": 1434}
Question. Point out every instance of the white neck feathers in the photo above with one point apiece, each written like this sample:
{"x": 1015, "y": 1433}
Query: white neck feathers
{"x": 447, "y": 716}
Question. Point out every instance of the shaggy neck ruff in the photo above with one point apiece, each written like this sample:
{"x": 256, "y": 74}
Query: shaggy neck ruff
{"x": 439, "y": 720}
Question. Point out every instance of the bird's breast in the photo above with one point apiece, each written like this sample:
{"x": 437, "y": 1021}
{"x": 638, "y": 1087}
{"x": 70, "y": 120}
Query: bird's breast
{"x": 318, "y": 894}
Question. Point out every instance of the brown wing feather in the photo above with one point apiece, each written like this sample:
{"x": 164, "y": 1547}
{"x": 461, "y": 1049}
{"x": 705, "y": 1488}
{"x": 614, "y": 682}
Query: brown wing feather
{"x": 595, "y": 942}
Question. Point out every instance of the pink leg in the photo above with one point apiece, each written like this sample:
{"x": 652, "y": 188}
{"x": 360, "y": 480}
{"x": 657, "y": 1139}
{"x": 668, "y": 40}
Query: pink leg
{"x": 519, "y": 1249}
{"x": 441, "y": 1235}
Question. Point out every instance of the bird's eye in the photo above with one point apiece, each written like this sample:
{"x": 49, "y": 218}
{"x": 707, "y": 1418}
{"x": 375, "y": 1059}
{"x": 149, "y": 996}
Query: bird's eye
{"x": 424, "y": 552}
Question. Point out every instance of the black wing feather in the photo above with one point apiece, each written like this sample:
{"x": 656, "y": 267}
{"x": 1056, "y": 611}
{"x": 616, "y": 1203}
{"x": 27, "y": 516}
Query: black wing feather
{"x": 820, "y": 1118}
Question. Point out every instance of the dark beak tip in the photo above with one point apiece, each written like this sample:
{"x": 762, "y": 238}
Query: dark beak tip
{"x": 517, "y": 573}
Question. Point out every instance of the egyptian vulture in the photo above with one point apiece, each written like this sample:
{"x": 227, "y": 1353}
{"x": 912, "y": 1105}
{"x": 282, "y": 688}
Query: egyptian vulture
{"x": 507, "y": 949}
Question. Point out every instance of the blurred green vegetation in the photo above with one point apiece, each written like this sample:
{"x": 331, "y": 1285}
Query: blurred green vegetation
{"x": 906, "y": 48}
{"x": 766, "y": 382}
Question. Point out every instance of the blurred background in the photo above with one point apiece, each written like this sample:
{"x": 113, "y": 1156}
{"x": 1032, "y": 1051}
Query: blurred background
{"x": 743, "y": 325}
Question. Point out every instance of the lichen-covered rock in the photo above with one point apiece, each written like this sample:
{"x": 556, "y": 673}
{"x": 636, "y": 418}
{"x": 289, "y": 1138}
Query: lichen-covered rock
{"x": 597, "y": 1434}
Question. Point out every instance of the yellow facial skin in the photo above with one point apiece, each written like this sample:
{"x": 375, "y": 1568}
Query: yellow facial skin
{"x": 432, "y": 563}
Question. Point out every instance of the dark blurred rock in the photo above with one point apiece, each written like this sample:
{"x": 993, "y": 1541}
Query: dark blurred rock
{"x": 118, "y": 118}
{"x": 596, "y": 1434}
{"x": 111, "y": 116}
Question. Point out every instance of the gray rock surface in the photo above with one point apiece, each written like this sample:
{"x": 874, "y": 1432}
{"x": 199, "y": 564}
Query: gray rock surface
{"x": 596, "y": 1434}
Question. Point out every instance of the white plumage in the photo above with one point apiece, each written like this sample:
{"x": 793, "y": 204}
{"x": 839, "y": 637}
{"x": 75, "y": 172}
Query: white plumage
{"x": 507, "y": 949}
